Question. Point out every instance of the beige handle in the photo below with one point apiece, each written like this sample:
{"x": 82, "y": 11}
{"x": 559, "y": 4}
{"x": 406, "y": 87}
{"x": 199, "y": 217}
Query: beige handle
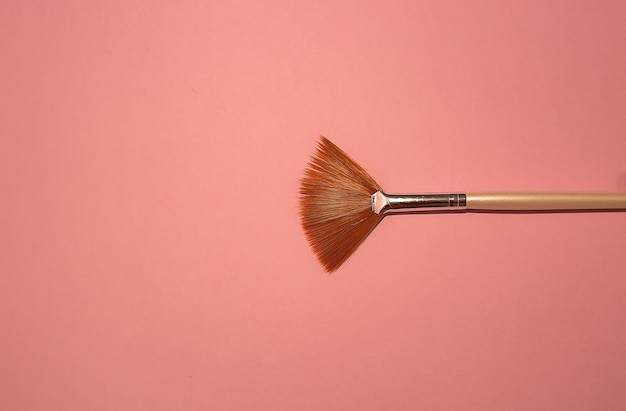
{"x": 545, "y": 201}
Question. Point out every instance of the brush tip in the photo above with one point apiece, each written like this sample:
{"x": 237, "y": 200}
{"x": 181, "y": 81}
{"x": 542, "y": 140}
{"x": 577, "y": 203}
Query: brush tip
{"x": 336, "y": 204}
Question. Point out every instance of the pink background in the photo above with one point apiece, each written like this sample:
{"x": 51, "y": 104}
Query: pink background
{"x": 152, "y": 256}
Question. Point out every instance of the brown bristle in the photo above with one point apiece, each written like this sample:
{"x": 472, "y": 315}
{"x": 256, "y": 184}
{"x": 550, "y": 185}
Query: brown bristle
{"x": 335, "y": 205}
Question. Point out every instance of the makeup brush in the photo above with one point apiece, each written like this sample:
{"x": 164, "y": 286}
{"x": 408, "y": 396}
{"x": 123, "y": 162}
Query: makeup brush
{"x": 340, "y": 204}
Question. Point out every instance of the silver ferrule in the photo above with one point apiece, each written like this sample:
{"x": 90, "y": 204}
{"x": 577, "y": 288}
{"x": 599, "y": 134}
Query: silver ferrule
{"x": 383, "y": 203}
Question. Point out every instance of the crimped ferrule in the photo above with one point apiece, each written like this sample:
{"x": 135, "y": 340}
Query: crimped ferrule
{"x": 383, "y": 203}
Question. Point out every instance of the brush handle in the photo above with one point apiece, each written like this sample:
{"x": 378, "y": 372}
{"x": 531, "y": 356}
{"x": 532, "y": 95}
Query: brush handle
{"x": 545, "y": 201}
{"x": 383, "y": 203}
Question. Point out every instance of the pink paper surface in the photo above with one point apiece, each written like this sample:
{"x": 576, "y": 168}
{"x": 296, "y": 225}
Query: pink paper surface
{"x": 152, "y": 256}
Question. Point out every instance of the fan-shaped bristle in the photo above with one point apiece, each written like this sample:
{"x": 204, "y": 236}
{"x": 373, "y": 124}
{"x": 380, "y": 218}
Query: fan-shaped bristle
{"x": 335, "y": 205}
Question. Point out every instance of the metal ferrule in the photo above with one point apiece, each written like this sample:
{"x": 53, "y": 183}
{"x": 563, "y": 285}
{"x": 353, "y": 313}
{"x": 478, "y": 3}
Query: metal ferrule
{"x": 383, "y": 203}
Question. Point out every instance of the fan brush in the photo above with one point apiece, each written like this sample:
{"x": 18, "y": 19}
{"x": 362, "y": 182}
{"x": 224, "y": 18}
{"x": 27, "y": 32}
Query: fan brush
{"x": 340, "y": 204}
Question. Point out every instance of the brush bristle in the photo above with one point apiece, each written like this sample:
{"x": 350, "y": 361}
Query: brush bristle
{"x": 335, "y": 205}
